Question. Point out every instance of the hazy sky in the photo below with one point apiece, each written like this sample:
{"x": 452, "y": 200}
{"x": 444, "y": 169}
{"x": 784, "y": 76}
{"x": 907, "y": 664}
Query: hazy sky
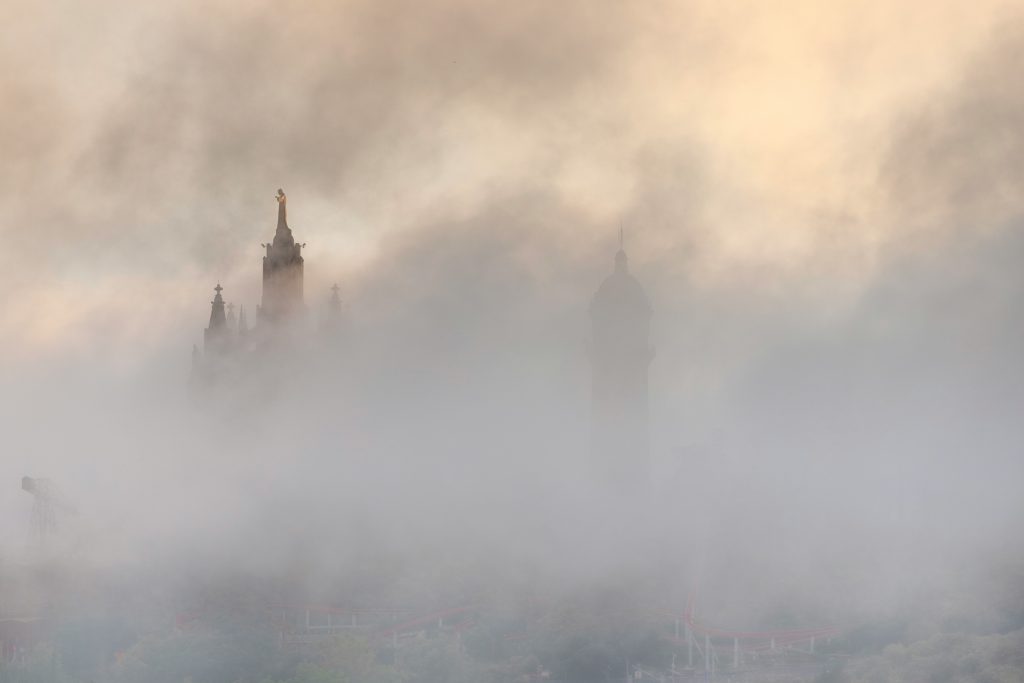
{"x": 790, "y": 148}
{"x": 823, "y": 200}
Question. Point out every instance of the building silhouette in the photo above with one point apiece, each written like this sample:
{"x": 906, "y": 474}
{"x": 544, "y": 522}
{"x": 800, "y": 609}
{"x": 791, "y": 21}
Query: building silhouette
{"x": 229, "y": 345}
{"x": 620, "y": 355}
{"x": 620, "y": 349}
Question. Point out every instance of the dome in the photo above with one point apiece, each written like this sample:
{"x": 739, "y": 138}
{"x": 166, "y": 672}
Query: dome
{"x": 620, "y": 292}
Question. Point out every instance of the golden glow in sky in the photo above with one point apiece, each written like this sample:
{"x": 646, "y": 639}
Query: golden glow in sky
{"x": 142, "y": 142}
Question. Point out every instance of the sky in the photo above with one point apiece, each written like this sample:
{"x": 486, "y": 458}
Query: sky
{"x": 822, "y": 200}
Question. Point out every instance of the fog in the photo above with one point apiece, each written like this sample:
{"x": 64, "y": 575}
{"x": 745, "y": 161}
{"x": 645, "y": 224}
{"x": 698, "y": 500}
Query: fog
{"x": 822, "y": 201}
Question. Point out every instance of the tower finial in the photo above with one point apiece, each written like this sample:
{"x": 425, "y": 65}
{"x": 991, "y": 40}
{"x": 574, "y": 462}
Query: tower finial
{"x": 282, "y": 218}
{"x": 621, "y": 262}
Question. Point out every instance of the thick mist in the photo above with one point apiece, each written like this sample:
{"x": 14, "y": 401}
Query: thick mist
{"x": 823, "y": 205}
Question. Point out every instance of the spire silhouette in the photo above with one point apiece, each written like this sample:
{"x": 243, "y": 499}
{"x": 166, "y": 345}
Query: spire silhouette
{"x": 215, "y": 335}
{"x": 217, "y": 317}
{"x": 621, "y": 262}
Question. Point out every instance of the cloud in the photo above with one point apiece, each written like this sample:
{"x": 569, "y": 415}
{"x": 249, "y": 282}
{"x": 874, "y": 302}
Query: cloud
{"x": 953, "y": 164}
{"x": 795, "y": 188}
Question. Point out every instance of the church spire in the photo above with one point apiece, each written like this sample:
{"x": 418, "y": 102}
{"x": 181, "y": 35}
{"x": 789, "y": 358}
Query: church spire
{"x": 282, "y": 270}
{"x": 217, "y": 316}
{"x": 214, "y": 337}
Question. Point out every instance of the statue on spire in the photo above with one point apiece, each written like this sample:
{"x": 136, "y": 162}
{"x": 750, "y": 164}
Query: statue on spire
{"x": 282, "y": 200}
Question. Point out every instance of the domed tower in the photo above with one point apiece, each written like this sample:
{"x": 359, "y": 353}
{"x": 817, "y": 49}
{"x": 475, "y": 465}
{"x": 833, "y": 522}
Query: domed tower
{"x": 282, "y": 271}
{"x": 621, "y": 353}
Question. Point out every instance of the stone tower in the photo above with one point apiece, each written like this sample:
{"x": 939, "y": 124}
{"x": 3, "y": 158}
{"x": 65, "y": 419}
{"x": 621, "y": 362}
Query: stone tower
{"x": 621, "y": 353}
{"x": 282, "y": 271}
